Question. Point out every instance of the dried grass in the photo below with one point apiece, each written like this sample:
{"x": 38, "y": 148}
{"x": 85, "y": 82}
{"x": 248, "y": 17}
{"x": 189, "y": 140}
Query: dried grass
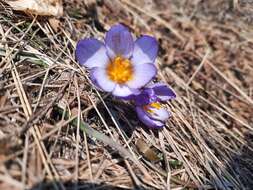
{"x": 58, "y": 132}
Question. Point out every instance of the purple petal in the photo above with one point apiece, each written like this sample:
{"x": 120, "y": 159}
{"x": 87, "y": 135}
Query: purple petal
{"x": 162, "y": 91}
{"x": 91, "y": 53}
{"x": 100, "y": 79}
{"x": 93, "y": 79}
{"x": 142, "y": 99}
{"x": 159, "y": 114}
{"x": 128, "y": 98}
{"x": 147, "y": 120}
{"x": 123, "y": 91}
{"x": 145, "y": 50}
{"x": 143, "y": 74}
{"x": 119, "y": 41}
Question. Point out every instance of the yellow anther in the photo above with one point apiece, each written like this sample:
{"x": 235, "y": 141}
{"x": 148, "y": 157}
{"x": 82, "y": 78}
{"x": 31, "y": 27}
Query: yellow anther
{"x": 148, "y": 108}
{"x": 120, "y": 70}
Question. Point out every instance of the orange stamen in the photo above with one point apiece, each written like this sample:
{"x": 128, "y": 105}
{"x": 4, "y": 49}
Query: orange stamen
{"x": 120, "y": 70}
{"x": 155, "y": 105}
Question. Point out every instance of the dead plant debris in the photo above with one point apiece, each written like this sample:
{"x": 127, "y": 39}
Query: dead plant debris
{"x": 45, "y": 97}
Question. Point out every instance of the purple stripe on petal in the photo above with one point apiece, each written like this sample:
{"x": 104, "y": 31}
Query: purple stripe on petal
{"x": 100, "y": 78}
{"x": 119, "y": 41}
{"x": 147, "y": 120}
{"x": 143, "y": 74}
{"x": 124, "y": 91}
{"x": 145, "y": 50}
{"x": 91, "y": 53}
{"x": 162, "y": 91}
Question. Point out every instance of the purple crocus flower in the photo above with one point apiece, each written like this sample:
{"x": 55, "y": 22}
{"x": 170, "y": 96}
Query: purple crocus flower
{"x": 148, "y": 104}
{"x": 120, "y": 65}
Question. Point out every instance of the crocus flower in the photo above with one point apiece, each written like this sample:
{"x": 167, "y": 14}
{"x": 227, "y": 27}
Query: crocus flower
{"x": 120, "y": 65}
{"x": 148, "y": 104}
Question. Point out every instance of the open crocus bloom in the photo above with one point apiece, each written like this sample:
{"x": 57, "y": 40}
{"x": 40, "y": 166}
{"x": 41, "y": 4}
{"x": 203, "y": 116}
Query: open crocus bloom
{"x": 148, "y": 106}
{"x": 120, "y": 65}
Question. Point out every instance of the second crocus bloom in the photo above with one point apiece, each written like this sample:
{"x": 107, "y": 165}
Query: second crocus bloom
{"x": 120, "y": 65}
{"x": 148, "y": 104}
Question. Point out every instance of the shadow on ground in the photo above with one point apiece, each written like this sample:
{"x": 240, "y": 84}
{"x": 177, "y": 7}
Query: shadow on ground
{"x": 73, "y": 185}
{"x": 242, "y": 164}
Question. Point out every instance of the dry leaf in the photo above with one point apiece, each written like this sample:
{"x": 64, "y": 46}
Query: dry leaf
{"x": 55, "y": 24}
{"x": 38, "y": 7}
{"x": 147, "y": 151}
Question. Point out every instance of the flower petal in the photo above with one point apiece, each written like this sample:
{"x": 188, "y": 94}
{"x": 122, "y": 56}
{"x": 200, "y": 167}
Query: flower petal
{"x": 93, "y": 79}
{"x": 142, "y": 75}
{"x": 91, "y": 53}
{"x": 143, "y": 98}
{"x": 123, "y": 91}
{"x": 119, "y": 41}
{"x": 128, "y": 98}
{"x": 162, "y": 91}
{"x": 147, "y": 120}
{"x": 100, "y": 79}
{"x": 145, "y": 50}
{"x": 159, "y": 114}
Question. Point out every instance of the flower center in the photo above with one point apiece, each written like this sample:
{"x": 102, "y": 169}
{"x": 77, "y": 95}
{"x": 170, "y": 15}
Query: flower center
{"x": 120, "y": 70}
{"x": 149, "y": 107}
